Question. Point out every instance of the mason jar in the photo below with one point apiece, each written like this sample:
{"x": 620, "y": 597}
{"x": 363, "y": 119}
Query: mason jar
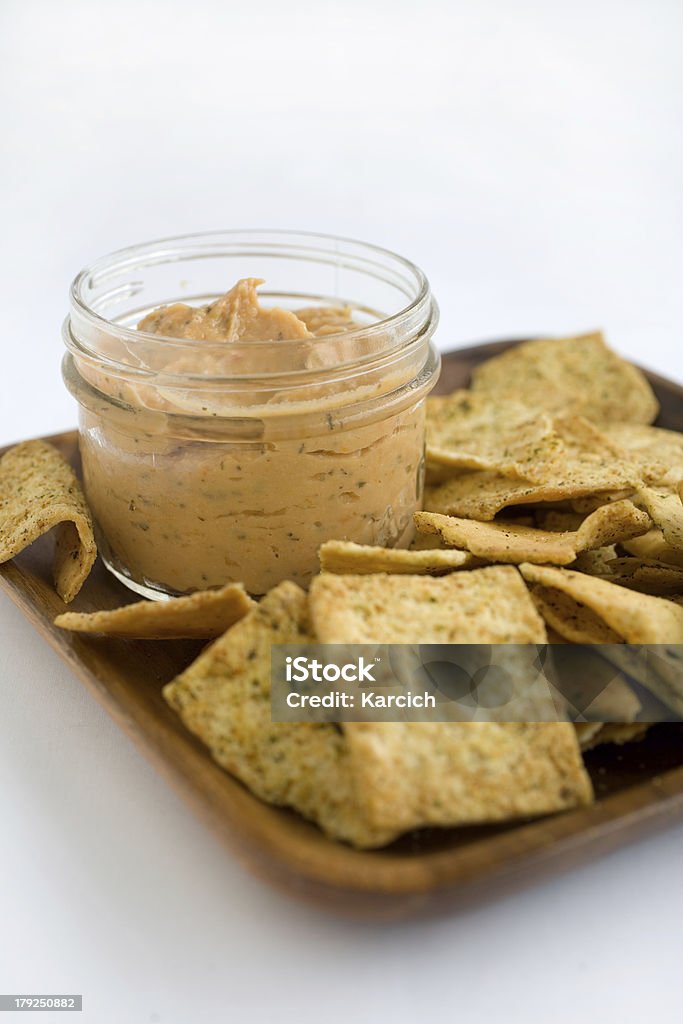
{"x": 210, "y": 462}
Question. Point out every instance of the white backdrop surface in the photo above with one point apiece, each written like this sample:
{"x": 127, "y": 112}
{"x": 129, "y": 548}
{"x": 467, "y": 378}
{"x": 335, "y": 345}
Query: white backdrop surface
{"x": 529, "y": 157}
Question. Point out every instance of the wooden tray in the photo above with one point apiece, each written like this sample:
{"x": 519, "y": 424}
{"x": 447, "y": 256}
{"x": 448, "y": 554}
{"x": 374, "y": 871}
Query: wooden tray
{"x": 639, "y": 786}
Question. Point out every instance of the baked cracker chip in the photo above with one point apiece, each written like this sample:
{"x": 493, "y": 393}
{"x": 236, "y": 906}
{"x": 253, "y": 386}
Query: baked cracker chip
{"x": 340, "y": 556}
{"x": 436, "y": 774}
{"x": 488, "y": 606}
{"x": 653, "y": 547}
{"x": 39, "y": 491}
{"x": 666, "y": 510}
{"x": 587, "y": 465}
{"x": 645, "y": 575}
{"x": 596, "y": 562}
{"x": 658, "y": 452}
{"x": 352, "y": 780}
{"x": 631, "y": 618}
{"x": 508, "y": 542}
{"x": 593, "y": 690}
{"x": 580, "y": 375}
{"x": 224, "y": 699}
{"x": 470, "y": 431}
{"x": 207, "y": 613}
{"x": 635, "y": 618}
{"x": 570, "y": 620}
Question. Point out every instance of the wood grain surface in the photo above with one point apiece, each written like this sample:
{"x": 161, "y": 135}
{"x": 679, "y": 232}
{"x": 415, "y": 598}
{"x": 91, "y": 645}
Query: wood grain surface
{"x": 639, "y": 786}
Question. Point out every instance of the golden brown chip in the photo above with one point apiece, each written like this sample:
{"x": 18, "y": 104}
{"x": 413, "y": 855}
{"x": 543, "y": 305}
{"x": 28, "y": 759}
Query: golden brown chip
{"x": 410, "y": 775}
{"x": 588, "y": 465}
{"x": 341, "y": 556}
{"x": 589, "y": 503}
{"x": 571, "y": 620}
{"x": 488, "y": 605}
{"x": 635, "y": 618}
{"x": 224, "y": 699}
{"x": 598, "y": 562}
{"x": 38, "y": 492}
{"x": 592, "y": 689}
{"x": 577, "y": 606}
{"x": 666, "y": 509}
{"x": 659, "y": 452}
{"x": 579, "y": 375}
{"x": 207, "y": 613}
{"x": 641, "y": 574}
{"x": 367, "y": 783}
{"x": 653, "y": 548}
{"x": 508, "y": 542}
{"x": 658, "y": 669}
{"x": 470, "y": 431}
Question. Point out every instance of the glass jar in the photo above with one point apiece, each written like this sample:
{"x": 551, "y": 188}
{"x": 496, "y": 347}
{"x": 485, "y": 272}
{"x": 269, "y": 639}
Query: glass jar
{"x": 207, "y": 462}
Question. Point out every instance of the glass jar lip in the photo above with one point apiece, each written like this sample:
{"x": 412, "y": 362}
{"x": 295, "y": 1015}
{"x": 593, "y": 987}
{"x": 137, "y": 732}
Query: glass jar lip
{"x": 160, "y": 247}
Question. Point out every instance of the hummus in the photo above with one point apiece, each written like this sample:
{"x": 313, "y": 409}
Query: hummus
{"x": 189, "y": 493}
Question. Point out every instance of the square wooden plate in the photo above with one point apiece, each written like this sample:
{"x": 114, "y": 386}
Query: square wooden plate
{"x": 639, "y": 786}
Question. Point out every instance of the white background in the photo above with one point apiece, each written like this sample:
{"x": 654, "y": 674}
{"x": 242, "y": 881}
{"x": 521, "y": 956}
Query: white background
{"x": 529, "y": 157}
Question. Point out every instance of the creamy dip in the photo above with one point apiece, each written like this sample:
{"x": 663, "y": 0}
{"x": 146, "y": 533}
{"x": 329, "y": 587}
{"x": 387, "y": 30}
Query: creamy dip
{"x": 247, "y": 496}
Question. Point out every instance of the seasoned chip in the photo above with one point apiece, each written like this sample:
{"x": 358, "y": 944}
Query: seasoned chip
{"x": 645, "y": 575}
{"x": 465, "y": 773}
{"x": 658, "y": 669}
{"x": 666, "y": 510}
{"x": 588, "y": 464}
{"x": 598, "y": 562}
{"x": 348, "y": 780}
{"x": 589, "y": 503}
{"x": 580, "y": 375}
{"x": 205, "y": 614}
{"x": 635, "y": 618}
{"x": 470, "y": 431}
{"x": 488, "y": 605}
{"x": 580, "y": 604}
{"x": 571, "y": 620}
{"x": 39, "y": 491}
{"x": 657, "y": 451}
{"x": 507, "y": 542}
{"x": 224, "y": 699}
{"x": 342, "y": 556}
{"x": 653, "y": 547}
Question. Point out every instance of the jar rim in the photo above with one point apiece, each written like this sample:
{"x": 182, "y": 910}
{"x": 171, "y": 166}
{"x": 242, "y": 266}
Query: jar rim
{"x": 161, "y": 251}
